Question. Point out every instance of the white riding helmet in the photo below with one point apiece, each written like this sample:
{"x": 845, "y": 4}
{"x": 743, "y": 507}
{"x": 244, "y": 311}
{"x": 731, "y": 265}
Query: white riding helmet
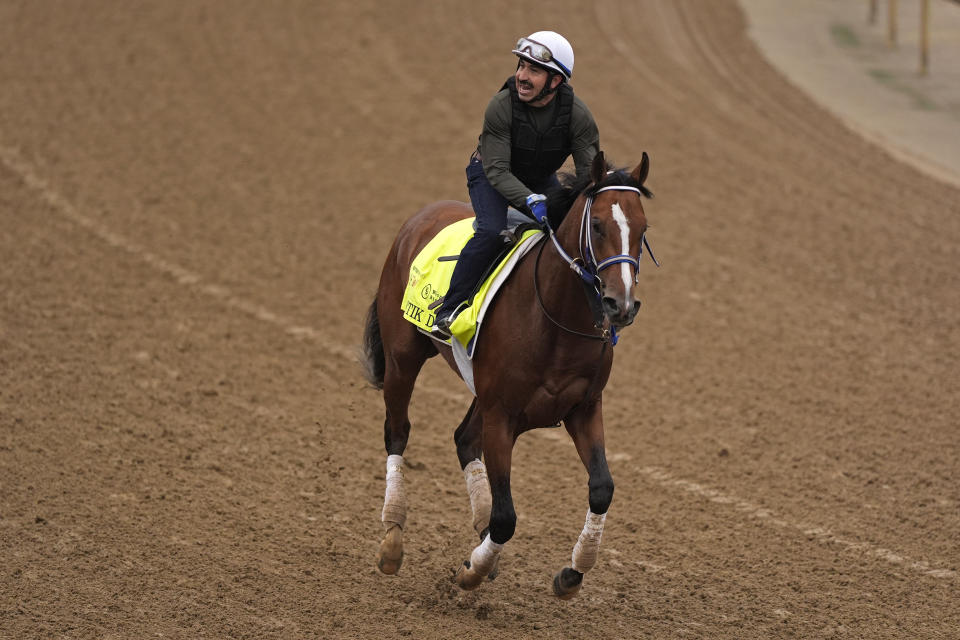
{"x": 547, "y": 49}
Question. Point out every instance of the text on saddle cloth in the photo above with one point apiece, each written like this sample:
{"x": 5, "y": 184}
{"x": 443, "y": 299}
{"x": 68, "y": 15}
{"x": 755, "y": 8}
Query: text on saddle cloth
{"x": 430, "y": 276}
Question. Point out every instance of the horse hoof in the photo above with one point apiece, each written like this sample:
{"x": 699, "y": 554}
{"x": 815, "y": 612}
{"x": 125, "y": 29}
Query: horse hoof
{"x": 567, "y": 583}
{"x": 467, "y": 579}
{"x": 390, "y": 555}
{"x": 495, "y": 571}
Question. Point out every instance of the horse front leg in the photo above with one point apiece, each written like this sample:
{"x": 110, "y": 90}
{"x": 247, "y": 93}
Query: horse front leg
{"x": 586, "y": 429}
{"x": 483, "y": 563}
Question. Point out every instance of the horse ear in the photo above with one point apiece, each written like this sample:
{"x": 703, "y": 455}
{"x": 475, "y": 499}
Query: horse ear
{"x": 598, "y": 170}
{"x": 640, "y": 172}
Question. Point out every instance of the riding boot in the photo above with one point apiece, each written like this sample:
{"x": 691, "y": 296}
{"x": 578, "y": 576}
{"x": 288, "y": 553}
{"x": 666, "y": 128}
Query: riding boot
{"x": 490, "y": 209}
{"x": 473, "y": 261}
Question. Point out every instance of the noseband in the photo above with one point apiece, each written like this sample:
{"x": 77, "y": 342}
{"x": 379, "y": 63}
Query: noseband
{"x": 587, "y": 267}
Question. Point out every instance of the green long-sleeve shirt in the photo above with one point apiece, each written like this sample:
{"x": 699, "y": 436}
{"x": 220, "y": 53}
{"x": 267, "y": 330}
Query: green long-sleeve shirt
{"x": 494, "y": 143}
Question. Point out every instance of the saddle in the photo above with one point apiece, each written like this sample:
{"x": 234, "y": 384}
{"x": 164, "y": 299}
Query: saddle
{"x": 432, "y": 269}
{"x": 518, "y": 223}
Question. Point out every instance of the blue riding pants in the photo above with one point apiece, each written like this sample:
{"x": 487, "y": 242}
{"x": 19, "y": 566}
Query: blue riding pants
{"x": 490, "y": 208}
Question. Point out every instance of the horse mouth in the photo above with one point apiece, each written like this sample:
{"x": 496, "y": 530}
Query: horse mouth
{"x": 620, "y": 324}
{"x": 617, "y": 315}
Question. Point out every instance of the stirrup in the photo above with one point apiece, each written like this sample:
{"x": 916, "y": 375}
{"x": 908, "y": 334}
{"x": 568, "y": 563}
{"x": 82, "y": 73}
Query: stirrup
{"x": 441, "y": 328}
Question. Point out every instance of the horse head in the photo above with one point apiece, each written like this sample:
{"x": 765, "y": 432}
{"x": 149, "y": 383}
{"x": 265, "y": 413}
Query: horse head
{"x": 611, "y": 236}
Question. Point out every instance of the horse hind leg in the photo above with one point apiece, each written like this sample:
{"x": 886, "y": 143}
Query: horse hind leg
{"x": 394, "y": 514}
{"x": 468, "y": 440}
{"x": 485, "y": 557}
{"x": 400, "y": 374}
{"x": 394, "y": 517}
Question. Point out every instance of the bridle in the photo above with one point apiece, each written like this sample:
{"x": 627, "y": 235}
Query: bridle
{"x": 588, "y": 268}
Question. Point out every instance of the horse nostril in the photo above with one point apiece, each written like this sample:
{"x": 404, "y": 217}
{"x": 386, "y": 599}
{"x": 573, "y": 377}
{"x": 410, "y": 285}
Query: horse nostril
{"x": 620, "y": 313}
{"x": 610, "y": 306}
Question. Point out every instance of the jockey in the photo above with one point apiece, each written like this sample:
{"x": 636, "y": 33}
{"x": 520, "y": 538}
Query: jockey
{"x": 531, "y": 126}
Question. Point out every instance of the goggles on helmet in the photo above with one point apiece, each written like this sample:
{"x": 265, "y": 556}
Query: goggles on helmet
{"x": 538, "y": 52}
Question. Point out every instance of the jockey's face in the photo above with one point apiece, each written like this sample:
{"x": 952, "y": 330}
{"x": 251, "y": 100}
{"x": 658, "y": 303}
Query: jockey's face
{"x": 531, "y": 79}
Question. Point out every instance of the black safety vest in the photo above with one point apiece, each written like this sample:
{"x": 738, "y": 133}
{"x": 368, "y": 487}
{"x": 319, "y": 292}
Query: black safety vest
{"x": 536, "y": 155}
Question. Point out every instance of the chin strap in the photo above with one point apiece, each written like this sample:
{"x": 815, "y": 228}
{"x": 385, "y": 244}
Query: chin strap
{"x": 546, "y": 91}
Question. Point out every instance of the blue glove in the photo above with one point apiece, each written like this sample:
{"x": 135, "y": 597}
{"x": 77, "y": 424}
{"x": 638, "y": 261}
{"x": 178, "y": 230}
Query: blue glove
{"x": 537, "y": 203}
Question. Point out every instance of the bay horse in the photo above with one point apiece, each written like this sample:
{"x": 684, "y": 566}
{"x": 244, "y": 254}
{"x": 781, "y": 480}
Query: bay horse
{"x": 536, "y": 364}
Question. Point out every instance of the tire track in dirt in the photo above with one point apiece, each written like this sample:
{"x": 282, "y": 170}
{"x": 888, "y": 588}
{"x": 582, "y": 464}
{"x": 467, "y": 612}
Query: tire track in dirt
{"x": 735, "y": 98}
{"x": 784, "y": 111}
{"x": 810, "y": 531}
{"x": 852, "y": 197}
{"x": 350, "y": 355}
{"x": 620, "y": 27}
{"x": 12, "y": 160}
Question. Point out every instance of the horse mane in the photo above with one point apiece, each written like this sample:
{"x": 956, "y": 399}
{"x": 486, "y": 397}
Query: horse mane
{"x": 562, "y": 197}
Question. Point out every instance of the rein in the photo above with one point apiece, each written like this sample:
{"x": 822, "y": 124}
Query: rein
{"x": 588, "y": 269}
{"x": 536, "y": 287}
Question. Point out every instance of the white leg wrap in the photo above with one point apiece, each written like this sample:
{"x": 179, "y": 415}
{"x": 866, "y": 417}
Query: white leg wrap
{"x": 484, "y": 556}
{"x": 588, "y": 545}
{"x": 478, "y": 487}
{"x": 395, "y": 500}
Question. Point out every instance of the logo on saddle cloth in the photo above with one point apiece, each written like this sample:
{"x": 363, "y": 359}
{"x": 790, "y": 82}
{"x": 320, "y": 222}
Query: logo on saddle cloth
{"x": 430, "y": 276}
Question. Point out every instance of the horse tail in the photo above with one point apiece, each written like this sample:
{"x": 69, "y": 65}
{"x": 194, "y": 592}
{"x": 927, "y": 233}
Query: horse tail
{"x": 374, "y": 362}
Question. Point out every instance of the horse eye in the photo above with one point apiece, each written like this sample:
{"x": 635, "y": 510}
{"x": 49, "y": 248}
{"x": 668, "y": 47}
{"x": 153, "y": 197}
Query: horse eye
{"x": 596, "y": 226}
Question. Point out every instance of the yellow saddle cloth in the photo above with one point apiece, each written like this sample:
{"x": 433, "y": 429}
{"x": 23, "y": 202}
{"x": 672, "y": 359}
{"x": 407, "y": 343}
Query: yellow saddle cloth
{"x": 430, "y": 277}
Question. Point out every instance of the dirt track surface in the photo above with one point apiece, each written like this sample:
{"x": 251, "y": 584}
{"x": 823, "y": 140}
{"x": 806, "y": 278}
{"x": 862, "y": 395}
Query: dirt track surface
{"x": 196, "y": 199}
